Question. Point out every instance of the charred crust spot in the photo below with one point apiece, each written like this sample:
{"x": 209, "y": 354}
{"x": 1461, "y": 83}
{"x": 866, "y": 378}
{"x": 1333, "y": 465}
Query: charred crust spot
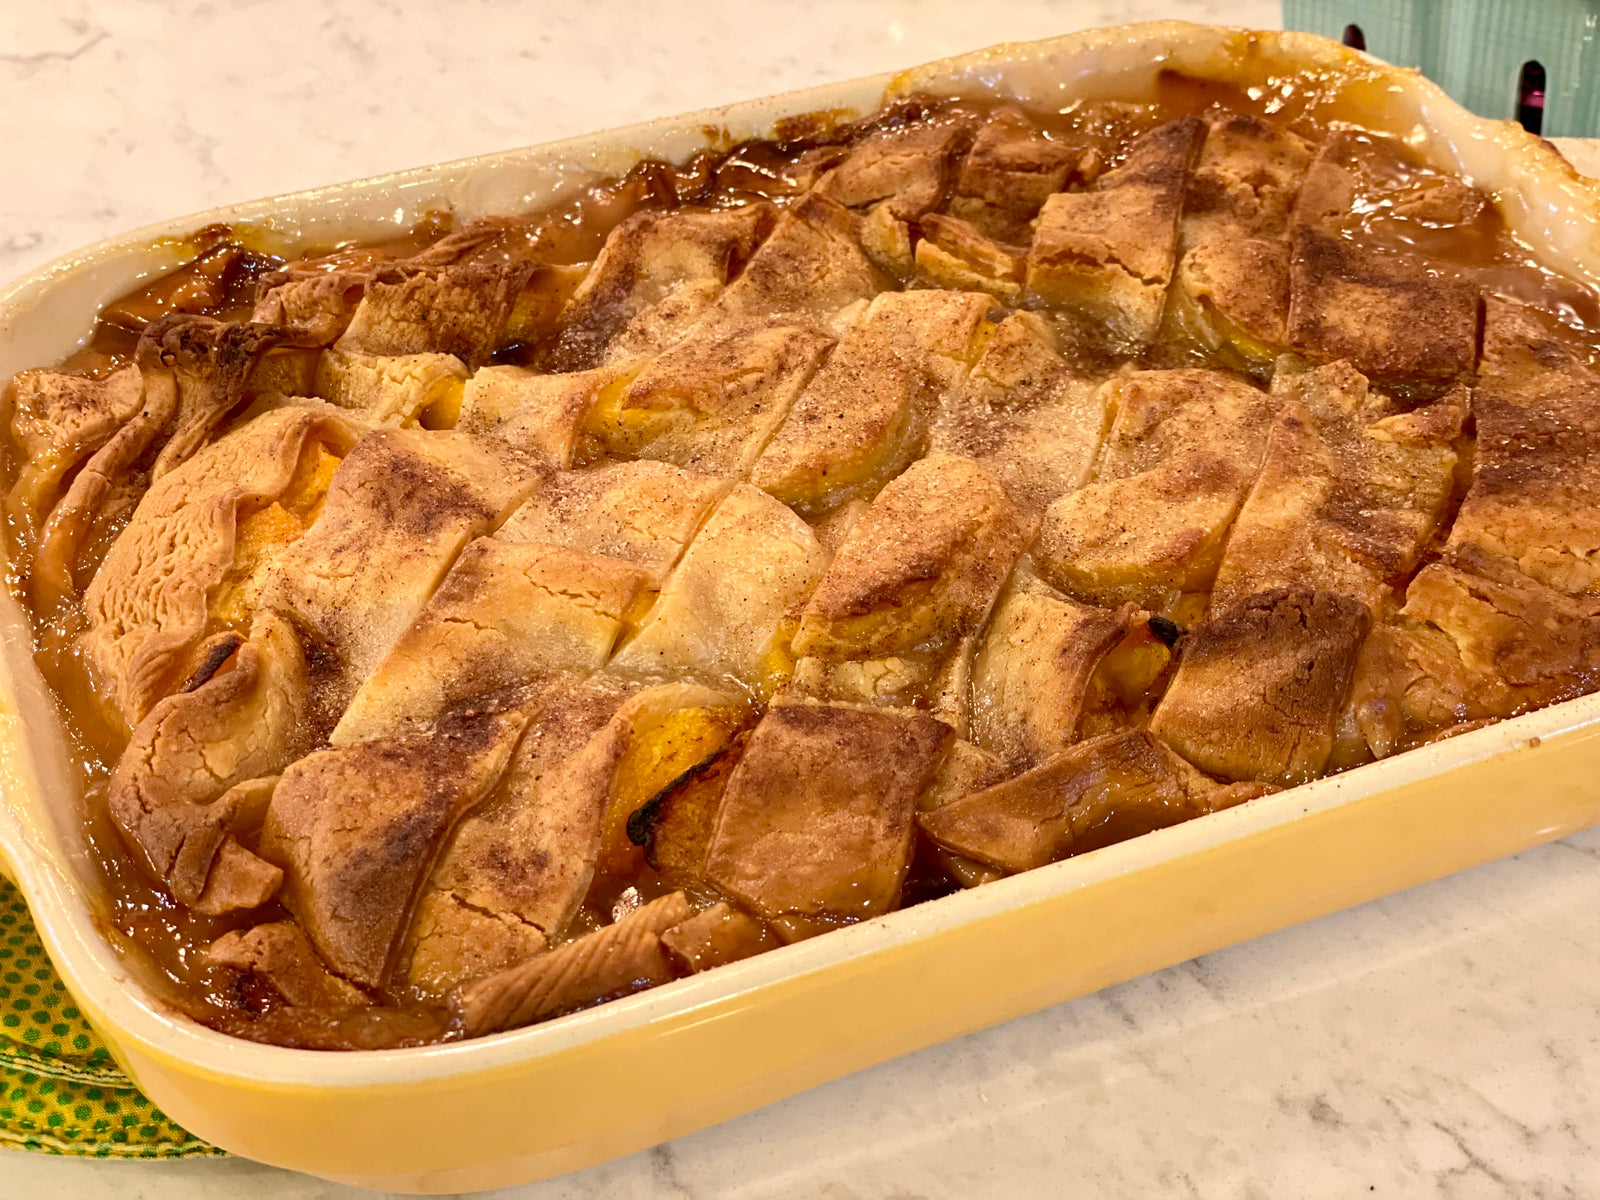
{"x": 642, "y": 821}
{"x": 211, "y": 662}
{"x": 1167, "y": 630}
{"x": 247, "y": 992}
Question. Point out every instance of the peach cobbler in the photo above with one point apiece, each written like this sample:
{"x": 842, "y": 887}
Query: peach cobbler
{"x": 465, "y": 629}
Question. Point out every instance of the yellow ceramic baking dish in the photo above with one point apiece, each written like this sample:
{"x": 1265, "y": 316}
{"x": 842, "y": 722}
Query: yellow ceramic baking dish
{"x": 539, "y": 1101}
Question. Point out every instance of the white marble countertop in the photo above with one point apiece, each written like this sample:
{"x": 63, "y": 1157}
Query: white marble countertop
{"x": 1444, "y": 1042}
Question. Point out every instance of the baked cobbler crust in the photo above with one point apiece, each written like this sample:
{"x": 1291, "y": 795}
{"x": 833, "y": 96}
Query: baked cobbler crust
{"x": 472, "y": 634}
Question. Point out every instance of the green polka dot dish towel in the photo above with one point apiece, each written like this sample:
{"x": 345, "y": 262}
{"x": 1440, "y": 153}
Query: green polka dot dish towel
{"x": 60, "y": 1091}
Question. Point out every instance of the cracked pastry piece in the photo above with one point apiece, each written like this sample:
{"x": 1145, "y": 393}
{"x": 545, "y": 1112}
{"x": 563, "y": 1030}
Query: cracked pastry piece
{"x": 317, "y": 305}
{"x": 1231, "y": 290}
{"x": 1261, "y": 683}
{"x": 210, "y": 363}
{"x": 196, "y": 371}
{"x": 400, "y": 388}
{"x": 1349, "y": 493}
{"x": 654, "y": 277}
{"x": 816, "y": 824}
{"x": 1011, "y": 170}
{"x": 723, "y": 611}
{"x": 517, "y": 868}
{"x": 460, "y": 310}
{"x": 917, "y": 572}
{"x": 905, "y": 168}
{"x": 282, "y": 956}
{"x": 1183, "y": 448}
{"x": 713, "y": 938}
{"x": 1468, "y": 648}
{"x": 203, "y": 532}
{"x": 1231, "y": 296}
{"x": 953, "y": 254}
{"x": 865, "y": 413}
{"x": 1110, "y": 250}
{"x": 1246, "y": 180}
{"x": 643, "y": 513}
{"x": 59, "y": 419}
{"x": 318, "y": 298}
{"x": 400, "y": 508}
{"x": 899, "y": 174}
{"x": 507, "y": 613}
{"x": 542, "y": 416}
{"x": 1099, "y": 792}
{"x": 965, "y": 769}
{"x": 185, "y": 794}
{"x": 1033, "y": 672}
{"x": 1390, "y": 318}
{"x": 356, "y": 829}
{"x": 887, "y": 242}
{"x": 1535, "y": 492}
{"x": 514, "y": 875}
{"x": 613, "y": 961}
{"x": 712, "y": 402}
{"x": 812, "y": 263}
{"x": 1024, "y": 415}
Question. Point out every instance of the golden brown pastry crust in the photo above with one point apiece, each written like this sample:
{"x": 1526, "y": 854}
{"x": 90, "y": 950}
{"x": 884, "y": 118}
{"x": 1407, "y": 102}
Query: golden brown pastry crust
{"x": 281, "y": 954}
{"x": 1099, "y": 791}
{"x": 508, "y": 614}
{"x": 460, "y": 310}
{"x": 905, "y": 169}
{"x": 633, "y": 299}
{"x": 1025, "y": 415}
{"x": 1111, "y": 249}
{"x": 719, "y": 935}
{"x": 356, "y": 830}
{"x": 1260, "y": 685}
{"x": 722, "y": 613}
{"x": 1031, "y": 676}
{"x": 816, "y": 824}
{"x": 1347, "y": 302}
{"x": 58, "y": 420}
{"x": 402, "y": 506}
{"x": 175, "y": 794}
{"x": 712, "y": 403}
{"x": 1011, "y": 171}
{"x": 1536, "y": 473}
{"x": 609, "y": 962}
{"x": 922, "y": 565}
{"x": 1183, "y": 449}
{"x": 1349, "y": 492}
{"x": 147, "y": 606}
{"x": 643, "y": 513}
{"x": 863, "y": 416}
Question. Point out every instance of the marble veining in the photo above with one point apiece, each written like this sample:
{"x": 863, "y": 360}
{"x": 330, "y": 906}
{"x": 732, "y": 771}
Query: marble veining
{"x": 1440, "y": 1043}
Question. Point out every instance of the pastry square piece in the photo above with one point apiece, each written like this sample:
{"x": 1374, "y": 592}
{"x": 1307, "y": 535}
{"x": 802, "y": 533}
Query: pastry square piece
{"x": 1111, "y": 250}
{"x": 816, "y": 825}
{"x": 1389, "y": 318}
